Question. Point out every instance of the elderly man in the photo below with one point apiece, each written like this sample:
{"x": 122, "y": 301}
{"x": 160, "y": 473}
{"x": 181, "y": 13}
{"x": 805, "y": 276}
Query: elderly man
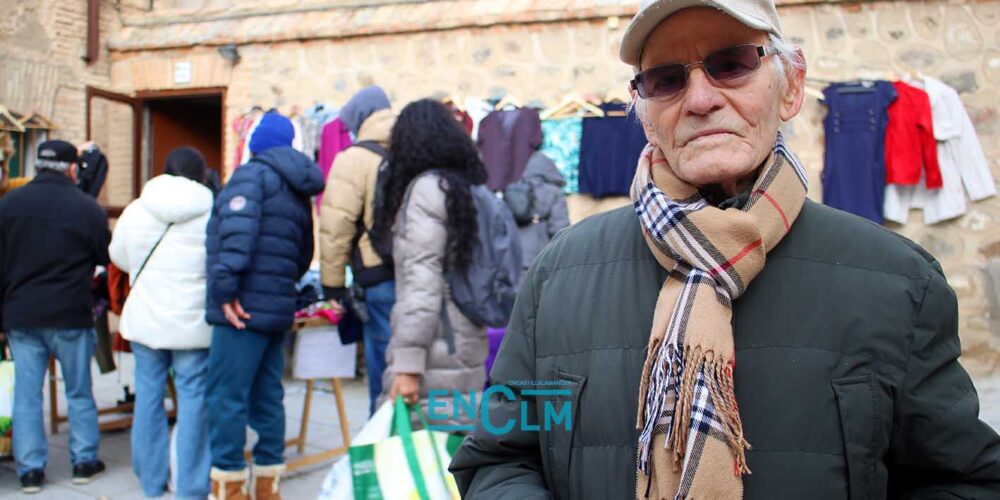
{"x": 52, "y": 237}
{"x": 726, "y": 338}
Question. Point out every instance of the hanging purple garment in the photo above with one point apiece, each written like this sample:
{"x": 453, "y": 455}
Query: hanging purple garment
{"x": 335, "y": 139}
{"x": 506, "y": 140}
{"x": 495, "y": 337}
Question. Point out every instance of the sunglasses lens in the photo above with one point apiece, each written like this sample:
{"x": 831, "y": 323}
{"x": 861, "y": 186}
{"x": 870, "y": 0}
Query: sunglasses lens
{"x": 733, "y": 62}
{"x": 662, "y": 81}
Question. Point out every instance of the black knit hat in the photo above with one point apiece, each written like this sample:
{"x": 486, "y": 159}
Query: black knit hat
{"x": 56, "y": 155}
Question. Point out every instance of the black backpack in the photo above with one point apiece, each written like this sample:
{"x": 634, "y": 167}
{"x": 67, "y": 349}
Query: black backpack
{"x": 520, "y": 198}
{"x": 382, "y": 248}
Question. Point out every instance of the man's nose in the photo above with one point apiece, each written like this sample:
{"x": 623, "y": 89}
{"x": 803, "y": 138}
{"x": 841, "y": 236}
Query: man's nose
{"x": 702, "y": 96}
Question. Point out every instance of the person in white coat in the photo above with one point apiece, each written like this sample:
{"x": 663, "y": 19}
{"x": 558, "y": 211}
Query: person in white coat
{"x": 160, "y": 242}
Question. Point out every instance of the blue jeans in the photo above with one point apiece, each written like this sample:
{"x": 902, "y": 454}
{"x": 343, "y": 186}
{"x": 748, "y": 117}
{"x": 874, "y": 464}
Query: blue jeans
{"x": 150, "y": 432}
{"x": 244, "y": 387}
{"x": 379, "y": 299}
{"x": 73, "y": 349}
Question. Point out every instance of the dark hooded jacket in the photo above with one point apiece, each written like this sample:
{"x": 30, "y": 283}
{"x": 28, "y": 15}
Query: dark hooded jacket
{"x": 260, "y": 238}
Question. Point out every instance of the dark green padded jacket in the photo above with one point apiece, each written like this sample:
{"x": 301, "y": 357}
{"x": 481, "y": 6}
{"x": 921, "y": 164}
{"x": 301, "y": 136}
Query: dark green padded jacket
{"x": 846, "y": 372}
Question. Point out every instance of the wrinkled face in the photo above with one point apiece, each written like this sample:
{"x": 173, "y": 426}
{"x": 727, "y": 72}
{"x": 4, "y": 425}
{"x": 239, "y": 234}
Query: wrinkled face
{"x": 716, "y": 132}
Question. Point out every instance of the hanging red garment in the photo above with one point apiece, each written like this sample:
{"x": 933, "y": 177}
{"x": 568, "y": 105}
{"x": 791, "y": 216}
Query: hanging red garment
{"x": 241, "y": 125}
{"x": 462, "y": 117}
{"x": 335, "y": 138}
{"x": 910, "y": 147}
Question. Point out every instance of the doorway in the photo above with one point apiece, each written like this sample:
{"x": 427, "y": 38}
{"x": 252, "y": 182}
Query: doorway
{"x": 183, "y": 118}
{"x": 137, "y": 132}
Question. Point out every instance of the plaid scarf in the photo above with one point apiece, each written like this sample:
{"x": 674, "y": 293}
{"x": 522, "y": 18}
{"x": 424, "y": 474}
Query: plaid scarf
{"x": 692, "y": 444}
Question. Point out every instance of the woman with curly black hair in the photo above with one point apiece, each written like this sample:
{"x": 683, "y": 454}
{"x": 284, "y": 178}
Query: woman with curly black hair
{"x": 430, "y": 216}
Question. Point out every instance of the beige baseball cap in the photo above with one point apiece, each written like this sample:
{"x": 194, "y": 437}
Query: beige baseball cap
{"x": 757, "y": 14}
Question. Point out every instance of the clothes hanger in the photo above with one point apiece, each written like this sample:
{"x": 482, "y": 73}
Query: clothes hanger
{"x": 573, "y": 102}
{"x": 617, "y": 95}
{"x": 508, "y": 100}
{"x": 620, "y": 96}
{"x": 861, "y": 85}
{"x": 455, "y": 102}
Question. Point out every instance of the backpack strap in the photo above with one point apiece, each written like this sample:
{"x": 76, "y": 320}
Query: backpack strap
{"x": 449, "y": 332}
{"x": 379, "y": 150}
{"x": 374, "y": 147}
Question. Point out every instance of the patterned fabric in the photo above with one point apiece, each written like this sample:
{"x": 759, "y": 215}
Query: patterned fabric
{"x": 561, "y": 143}
{"x": 691, "y": 443}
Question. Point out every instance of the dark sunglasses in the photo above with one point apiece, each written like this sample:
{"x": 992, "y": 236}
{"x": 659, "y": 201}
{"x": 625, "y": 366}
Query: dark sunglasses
{"x": 725, "y": 64}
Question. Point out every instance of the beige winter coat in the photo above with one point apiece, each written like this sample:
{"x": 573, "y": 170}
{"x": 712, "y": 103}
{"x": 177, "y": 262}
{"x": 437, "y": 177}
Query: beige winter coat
{"x": 350, "y": 192}
{"x": 418, "y": 342}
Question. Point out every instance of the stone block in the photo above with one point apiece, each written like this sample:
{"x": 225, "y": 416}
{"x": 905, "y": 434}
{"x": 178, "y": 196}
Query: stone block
{"x": 894, "y": 23}
{"x": 927, "y": 18}
{"x": 962, "y": 38}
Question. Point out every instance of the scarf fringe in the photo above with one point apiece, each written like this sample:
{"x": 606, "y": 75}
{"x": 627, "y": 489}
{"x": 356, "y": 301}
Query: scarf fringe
{"x": 718, "y": 377}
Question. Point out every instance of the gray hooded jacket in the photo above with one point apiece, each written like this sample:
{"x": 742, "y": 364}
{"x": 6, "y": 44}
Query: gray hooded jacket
{"x": 550, "y": 203}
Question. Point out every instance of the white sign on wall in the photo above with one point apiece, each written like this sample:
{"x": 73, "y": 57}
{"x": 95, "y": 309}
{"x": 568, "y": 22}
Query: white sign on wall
{"x": 182, "y": 72}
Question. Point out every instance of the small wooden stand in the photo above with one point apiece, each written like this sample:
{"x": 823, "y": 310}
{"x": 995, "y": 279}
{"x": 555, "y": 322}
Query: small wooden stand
{"x": 300, "y": 441}
{"x": 118, "y": 424}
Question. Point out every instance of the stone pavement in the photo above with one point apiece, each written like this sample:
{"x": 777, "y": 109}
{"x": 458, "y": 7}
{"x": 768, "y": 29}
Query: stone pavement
{"x": 118, "y": 483}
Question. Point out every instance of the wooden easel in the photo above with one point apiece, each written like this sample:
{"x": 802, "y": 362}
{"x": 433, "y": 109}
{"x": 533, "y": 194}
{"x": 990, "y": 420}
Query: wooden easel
{"x": 118, "y": 424}
{"x": 300, "y": 441}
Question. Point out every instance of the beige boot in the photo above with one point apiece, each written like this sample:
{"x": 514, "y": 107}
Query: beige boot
{"x": 228, "y": 485}
{"x": 267, "y": 481}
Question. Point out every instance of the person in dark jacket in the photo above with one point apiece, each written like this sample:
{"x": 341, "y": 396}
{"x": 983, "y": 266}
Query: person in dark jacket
{"x": 725, "y": 324}
{"x": 52, "y": 236}
{"x": 93, "y": 169}
{"x": 260, "y": 242}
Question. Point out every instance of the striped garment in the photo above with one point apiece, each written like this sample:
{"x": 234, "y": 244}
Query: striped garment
{"x": 691, "y": 443}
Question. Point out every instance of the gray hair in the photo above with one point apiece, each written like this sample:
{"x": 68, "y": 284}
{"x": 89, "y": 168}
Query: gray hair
{"x": 58, "y": 166}
{"x": 789, "y": 59}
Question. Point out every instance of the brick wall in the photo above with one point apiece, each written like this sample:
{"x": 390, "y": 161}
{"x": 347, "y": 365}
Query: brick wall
{"x": 42, "y": 44}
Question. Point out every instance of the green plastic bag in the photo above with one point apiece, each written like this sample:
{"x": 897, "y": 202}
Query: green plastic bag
{"x": 408, "y": 465}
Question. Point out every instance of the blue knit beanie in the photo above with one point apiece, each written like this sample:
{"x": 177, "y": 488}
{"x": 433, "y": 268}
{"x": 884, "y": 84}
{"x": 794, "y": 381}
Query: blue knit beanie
{"x": 273, "y": 131}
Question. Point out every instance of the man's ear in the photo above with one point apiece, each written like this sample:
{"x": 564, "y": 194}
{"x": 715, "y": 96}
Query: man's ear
{"x": 791, "y": 100}
{"x": 71, "y": 172}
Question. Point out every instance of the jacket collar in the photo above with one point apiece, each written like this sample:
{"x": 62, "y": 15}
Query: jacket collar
{"x": 377, "y": 127}
{"x": 717, "y": 198}
{"x": 52, "y": 177}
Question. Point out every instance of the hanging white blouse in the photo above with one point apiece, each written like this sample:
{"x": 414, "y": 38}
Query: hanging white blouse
{"x": 964, "y": 168}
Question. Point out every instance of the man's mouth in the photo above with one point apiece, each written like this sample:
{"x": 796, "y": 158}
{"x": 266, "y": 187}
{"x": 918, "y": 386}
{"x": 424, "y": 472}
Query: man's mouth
{"x": 707, "y": 133}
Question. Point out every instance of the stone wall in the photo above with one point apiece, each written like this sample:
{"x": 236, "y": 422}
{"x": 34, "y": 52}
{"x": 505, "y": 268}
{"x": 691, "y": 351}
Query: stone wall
{"x": 954, "y": 41}
{"x": 42, "y": 45}
{"x": 499, "y": 49}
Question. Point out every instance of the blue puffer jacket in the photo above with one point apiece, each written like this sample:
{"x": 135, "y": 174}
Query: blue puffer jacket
{"x": 260, "y": 239}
